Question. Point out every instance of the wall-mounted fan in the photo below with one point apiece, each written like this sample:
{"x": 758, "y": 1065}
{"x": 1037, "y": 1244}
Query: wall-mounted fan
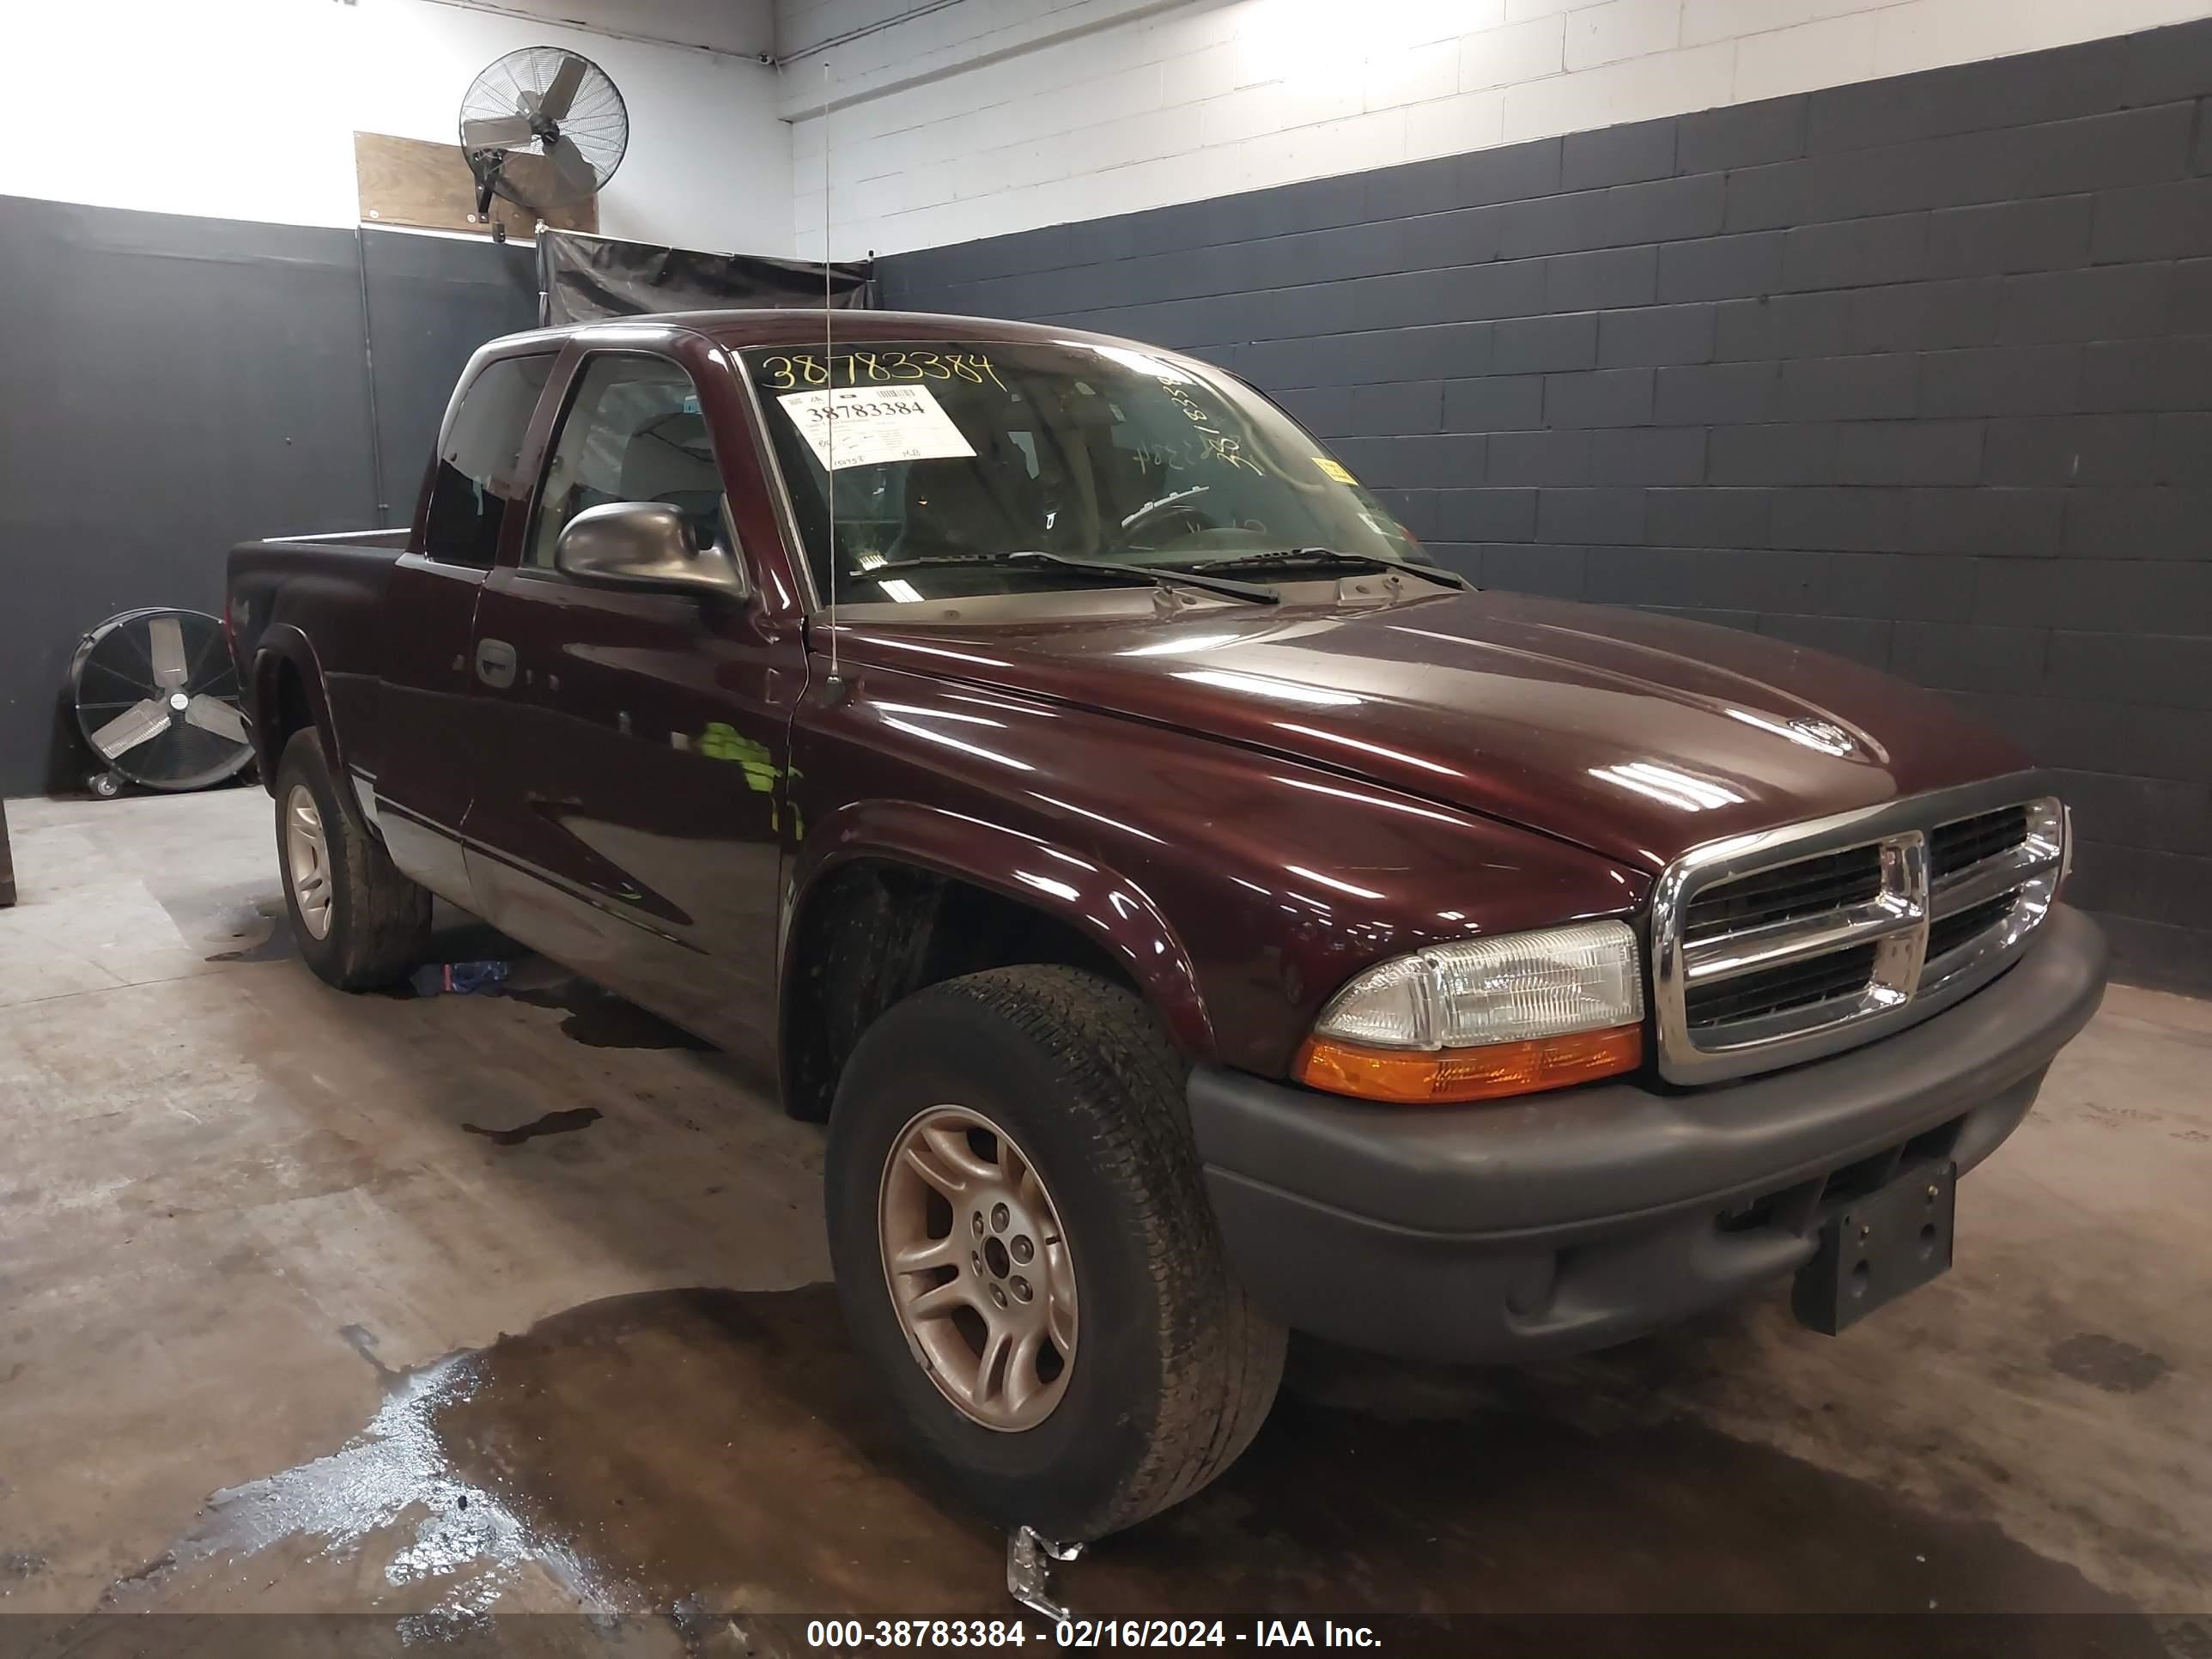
{"x": 156, "y": 697}
{"x": 543, "y": 127}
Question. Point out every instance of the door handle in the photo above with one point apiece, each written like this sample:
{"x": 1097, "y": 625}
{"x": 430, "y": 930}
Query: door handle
{"x": 495, "y": 663}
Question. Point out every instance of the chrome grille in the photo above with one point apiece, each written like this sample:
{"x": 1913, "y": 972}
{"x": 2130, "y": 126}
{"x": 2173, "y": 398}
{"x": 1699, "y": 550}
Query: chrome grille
{"x": 1953, "y": 846}
{"x": 1780, "y": 990}
{"x": 1774, "y": 948}
{"x": 1810, "y": 887}
{"x": 1946, "y": 934}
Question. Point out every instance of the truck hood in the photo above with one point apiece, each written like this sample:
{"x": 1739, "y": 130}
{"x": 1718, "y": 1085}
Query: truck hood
{"x": 1634, "y": 735}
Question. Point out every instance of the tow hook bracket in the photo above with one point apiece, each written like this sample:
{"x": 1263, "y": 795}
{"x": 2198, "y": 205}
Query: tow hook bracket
{"x": 1029, "y": 1571}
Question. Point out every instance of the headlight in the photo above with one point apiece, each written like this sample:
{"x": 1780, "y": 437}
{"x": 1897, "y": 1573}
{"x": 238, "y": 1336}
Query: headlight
{"x": 1504, "y": 1016}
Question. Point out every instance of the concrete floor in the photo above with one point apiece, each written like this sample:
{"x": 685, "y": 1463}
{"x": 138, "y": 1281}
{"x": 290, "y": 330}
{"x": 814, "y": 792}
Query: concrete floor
{"x": 291, "y": 1321}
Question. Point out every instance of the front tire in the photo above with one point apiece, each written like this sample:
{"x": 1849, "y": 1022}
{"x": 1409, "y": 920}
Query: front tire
{"x": 1022, "y": 1130}
{"x": 359, "y": 923}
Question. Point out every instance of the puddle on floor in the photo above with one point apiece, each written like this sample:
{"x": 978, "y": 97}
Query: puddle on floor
{"x": 264, "y": 929}
{"x": 251, "y": 925}
{"x": 553, "y": 1124}
{"x": 599, "y": 1019}
{"x": 687, "y": 1454}
{"x": 259, "y": 929}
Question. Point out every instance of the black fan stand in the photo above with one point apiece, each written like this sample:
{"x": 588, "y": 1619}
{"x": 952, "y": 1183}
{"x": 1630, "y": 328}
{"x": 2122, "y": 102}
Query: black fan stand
{"x": 486, "y": 164}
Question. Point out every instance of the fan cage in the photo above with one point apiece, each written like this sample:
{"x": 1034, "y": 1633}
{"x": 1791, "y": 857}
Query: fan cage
{"x": 597, "y": 121}
{"x": 113, "y": 676}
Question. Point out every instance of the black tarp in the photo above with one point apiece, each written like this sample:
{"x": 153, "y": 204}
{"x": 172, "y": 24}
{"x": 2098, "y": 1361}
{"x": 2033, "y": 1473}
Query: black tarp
{"x": 583, "y": 277}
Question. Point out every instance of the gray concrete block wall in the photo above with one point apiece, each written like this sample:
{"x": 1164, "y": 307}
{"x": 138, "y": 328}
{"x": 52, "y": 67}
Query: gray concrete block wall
{"x": 1918, "y": 371}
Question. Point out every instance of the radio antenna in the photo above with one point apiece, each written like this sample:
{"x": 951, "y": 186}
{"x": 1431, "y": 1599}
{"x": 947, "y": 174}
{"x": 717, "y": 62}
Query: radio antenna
{"x": 829, "y": 370}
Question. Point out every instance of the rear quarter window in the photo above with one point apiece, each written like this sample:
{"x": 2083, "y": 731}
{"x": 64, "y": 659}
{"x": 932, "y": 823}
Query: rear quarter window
{"x": 479, "y": 473}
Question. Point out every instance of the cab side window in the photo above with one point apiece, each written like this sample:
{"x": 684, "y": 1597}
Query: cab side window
{"x": 633, "y": 433}
{"x": 479, "y": 462}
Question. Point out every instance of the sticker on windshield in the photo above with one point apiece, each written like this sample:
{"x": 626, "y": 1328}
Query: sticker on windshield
{"x": 1333, "y": 469}
{"x": 874, "y": 424}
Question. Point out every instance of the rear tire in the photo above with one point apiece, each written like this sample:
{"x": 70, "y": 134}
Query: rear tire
{"x": 359, "y": 923}
{"x": 1173, "y": 1369}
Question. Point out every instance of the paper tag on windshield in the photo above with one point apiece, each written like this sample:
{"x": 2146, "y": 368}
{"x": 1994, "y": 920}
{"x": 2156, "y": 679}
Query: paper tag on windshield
{"x": 1333, "y": 469}
{"x": 874, "y": 424}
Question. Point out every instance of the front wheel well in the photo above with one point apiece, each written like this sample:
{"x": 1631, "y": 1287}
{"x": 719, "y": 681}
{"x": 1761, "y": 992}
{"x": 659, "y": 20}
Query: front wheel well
{"x": 874, "y": 931}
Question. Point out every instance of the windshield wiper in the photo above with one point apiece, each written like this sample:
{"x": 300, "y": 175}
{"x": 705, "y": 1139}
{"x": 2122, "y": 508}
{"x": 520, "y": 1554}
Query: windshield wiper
{"x": 1328, "y": 557}
{"x": 1031, "y": 559}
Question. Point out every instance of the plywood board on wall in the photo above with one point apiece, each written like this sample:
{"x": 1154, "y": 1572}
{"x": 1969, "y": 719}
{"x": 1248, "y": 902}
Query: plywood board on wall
{"x": 411, "y": 181}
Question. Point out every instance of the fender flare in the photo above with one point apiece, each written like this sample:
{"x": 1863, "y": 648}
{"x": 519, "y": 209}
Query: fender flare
{"x": 1093, "y": 899}
{"x": 281, "y": 644}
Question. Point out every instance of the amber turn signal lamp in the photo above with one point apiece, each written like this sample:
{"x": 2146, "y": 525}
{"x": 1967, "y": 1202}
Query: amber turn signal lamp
{"x": 1489, "y": 1072}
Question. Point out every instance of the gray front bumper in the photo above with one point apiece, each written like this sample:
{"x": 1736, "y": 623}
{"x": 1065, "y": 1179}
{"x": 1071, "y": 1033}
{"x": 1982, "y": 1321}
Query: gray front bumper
{"x": 1568, "y": 1221}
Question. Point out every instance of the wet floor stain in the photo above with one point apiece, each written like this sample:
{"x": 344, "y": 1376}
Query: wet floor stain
{"x": 265, "y": 927}
{"x": 2107, "y": 1363}
{"x": 553, "y": 1124}
{"x": 362, "y": 1341}
{"x": 709, "y": 1453}
{"x": 599, "y": 1019}
{"x": 394, "y": 1483}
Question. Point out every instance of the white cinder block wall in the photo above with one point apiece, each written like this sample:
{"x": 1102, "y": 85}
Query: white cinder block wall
{"x": 981, "y": 117}
{"x": 246, "y": 109}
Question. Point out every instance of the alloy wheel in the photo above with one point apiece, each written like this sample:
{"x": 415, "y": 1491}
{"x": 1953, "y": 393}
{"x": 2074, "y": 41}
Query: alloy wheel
{"x": 308, "y": 861}
{"x": 979, "y": 1267}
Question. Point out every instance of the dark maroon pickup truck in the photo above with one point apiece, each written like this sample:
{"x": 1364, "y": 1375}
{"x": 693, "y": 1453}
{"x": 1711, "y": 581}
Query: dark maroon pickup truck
{"x": 1195, "y": 912}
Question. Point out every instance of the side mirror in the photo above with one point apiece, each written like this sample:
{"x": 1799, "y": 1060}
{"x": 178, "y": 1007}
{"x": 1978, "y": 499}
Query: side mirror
{"x": 643, "y": 544}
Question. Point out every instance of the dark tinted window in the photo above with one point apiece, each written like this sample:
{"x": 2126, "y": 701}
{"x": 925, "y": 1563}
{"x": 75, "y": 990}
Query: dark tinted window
{"x": 633, "y": 433}
{"x": 479, "y": 461}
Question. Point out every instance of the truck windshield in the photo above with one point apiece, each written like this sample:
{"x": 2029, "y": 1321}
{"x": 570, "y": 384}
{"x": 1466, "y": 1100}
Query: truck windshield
{"x": 947, "y": 457}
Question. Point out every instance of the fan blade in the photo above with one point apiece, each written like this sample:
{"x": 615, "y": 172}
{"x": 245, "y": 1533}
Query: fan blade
{"x": 214, "y": 714}
{"x": 131, "y": 727}
{"x": 167, "y": 639}
{"x": 500, "y": 132}
{"x": 576, "y": 171}
{"x": 562, "y": 92}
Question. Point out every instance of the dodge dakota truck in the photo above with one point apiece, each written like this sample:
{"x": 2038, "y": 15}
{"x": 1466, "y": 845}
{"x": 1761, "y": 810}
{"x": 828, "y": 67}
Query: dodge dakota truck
{"x": 1195, "y": 912}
